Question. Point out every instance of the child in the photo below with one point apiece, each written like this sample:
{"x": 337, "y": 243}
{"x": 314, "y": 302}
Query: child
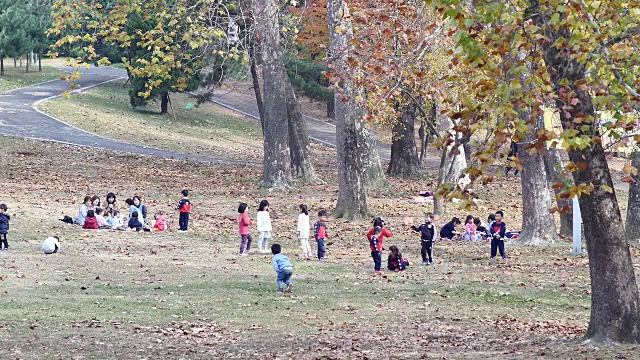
{"x": 160, "y": 223}
{"x": 303, "y": 231}
{"x": 376, "y": 249}
{"x": 490, "y": 219}
{"x": 243, "y": 230}
{"x": 320, "y": 233}
{"x": 448, "y": 231}
{"x": 185, "y": 209}
{"x": 283, "y": 268}
{"x": 91, "y": 223}
{"x": 82, "y": 212}
{"x": 396, "y": 262}
{"x": 51, "y": 245}
{"x": 134, "y": 223}
{"x": 481, "y": 228}
{"x": 4, "y": 227}
{"x": 470, "y": 229}
{"x": 427, "y": 237}
{"x": 133, "y": 208}
{"x": 102, "y": 222}
{"x": 498, "y": 230}
{"x": 116, "y": 220}
{"x": 264, "y": 226}
{"x": 143, "y": 208}
{"x": 379, "y": 222}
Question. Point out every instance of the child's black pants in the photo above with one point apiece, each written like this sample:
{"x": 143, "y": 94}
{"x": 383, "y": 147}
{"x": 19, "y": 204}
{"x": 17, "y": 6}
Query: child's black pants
{"x": 427, "y": 251}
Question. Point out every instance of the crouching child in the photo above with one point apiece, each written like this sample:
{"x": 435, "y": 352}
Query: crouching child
{"x": 284, "y": 269}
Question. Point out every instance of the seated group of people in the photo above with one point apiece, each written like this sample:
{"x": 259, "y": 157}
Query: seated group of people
{"x": 92, "y": 215}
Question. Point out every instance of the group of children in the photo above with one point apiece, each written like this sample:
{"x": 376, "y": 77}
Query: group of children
{"x": 92, "y": 216}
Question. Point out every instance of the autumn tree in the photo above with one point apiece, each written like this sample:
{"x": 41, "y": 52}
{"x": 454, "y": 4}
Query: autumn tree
{"x": 578, "y": 57}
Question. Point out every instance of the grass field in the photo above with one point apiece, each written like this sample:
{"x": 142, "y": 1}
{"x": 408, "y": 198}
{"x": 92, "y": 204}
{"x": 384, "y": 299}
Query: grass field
{"x": 17, "y": 77}
{"x": 189, "y": 296}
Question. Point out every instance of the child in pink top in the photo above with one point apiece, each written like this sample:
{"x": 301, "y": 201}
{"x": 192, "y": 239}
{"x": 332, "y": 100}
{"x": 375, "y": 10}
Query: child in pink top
{"x": 470, "y": 230}
{"x": 160, "y": 223}
{"x": 243, "y": 230}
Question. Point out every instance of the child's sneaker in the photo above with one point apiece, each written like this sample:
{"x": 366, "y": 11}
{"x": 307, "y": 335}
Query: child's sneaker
{"x": 378, "y": 272}
{"x": 289, "y": 288}
{"x": 280, "y": 292}
{"x": 244, "y": 254}
{"x": 431, "y": 263}
{"x": 425, "y": 263}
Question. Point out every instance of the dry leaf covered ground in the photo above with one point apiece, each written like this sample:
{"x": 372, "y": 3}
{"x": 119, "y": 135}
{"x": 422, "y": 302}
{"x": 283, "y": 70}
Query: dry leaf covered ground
{"x": 189, "y": 296}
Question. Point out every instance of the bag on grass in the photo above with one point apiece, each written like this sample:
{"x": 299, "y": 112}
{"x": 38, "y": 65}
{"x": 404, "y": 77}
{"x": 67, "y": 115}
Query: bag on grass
{"x": 67, "y": 219}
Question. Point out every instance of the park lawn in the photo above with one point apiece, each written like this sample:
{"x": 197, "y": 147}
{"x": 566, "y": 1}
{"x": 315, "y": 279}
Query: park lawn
{"x": 204, "y": 130}
{"x": 17, "y": 77}
{"x": 172, "y": 295}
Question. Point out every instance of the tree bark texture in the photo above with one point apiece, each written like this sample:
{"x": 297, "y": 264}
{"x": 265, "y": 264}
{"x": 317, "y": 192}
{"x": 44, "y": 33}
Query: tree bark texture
{"x": 27, "y": 64}
{"x": 1, "y": 64}
{"x": 633, "y": 206}
{"x": 538, "y": 223}
{"x": 371, "y": 167}
{"x": 352, "y": 202}
{"x": 277, "y": 160}
{"x": 164, "y": 103}
{"x": 615, "y": 305}
{"x": 555, "y": 174}
{"x": 331, "y": 109}
{"x": 424, "y": 133}
{"x": 452, "y": 164}
{"x": 299, "y": 147}
{"x": 40, "y": 61}
{"x": 256, "y": 85}
{"x": 404, "y": 153}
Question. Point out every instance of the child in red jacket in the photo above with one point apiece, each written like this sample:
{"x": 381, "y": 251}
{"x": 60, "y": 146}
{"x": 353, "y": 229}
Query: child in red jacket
{"x": 184, "y": 206}
{"x": 91, "y": 222}
{"x": 376, "y": 249}
{"x": 243, "y": 230}
{"x": 384, "y": 233}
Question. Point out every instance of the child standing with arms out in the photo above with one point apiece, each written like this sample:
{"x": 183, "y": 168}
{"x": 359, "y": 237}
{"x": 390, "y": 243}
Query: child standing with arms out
{"x": 376, "y": 249}
{"x": 184, "y": 206}
{"x": 427, "y": 236}
{"x": 498, "y": 229}
{"x": 320, "y": 233}
{"x": 243, "y": 230}
{"x": 4, "y": 227}
{"x": 283, "y": 268}
{"x": 396, "y": 262}
{"x": 303, "y": 231}
{"x": 264, "y": 226}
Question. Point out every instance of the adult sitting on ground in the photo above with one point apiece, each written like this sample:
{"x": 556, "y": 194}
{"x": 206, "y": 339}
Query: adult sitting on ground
{"x": 132, "y": 209}
{"x": 110, "y": 204}
{"x": 137, "y": 202}
{"x": 448, "y": 231}
{"x": 95, "y": 203}
{"x": 82, "y": 212}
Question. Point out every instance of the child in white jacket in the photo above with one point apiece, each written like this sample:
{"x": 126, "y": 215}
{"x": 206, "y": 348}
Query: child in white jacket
{"x": 303, "y": 231}
{"x": 264, "y": 227}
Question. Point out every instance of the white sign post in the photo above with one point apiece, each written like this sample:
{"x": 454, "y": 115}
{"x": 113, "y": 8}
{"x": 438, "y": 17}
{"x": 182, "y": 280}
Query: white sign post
{"x": 577, "y": 228}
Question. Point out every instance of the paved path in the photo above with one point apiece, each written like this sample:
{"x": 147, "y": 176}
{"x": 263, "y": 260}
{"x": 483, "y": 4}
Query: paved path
{"x": 19, "y": 116}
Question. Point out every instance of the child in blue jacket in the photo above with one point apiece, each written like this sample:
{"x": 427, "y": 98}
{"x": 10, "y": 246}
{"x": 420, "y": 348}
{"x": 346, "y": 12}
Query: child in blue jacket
{"x": 4, "y": 227}
{"x": 284, "y": 269}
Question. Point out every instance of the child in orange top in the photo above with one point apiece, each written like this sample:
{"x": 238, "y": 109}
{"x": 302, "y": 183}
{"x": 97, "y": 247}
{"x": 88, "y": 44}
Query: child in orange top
{"x": 160, "y": 223}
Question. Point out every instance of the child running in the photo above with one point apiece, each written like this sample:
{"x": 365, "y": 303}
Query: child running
{"x": 498, "y": 230}
{"x": 4, "y": 227}
{"x": 243, "y": 230}
{"x": 427, "y": 237}
{"x": 284, "y": 269}
{"x": 264, "y": 226}
{"x": 376, "y": 249}
{"x": 396, "y": 262}
{"x": 320, "y": 233}
{"x": 184, "y": 206}
{"x": 303, "y": 232}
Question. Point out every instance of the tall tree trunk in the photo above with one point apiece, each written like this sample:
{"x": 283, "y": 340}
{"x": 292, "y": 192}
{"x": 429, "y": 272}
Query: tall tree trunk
{"x": 299, "y": 148}
{"x": 256, "y": 84}
{"x": 20, "y": 61}
{"x": 424, "y": 133}
{"x": 372, "y": 173}
{"x": 633, "y": 206}
{"x": 1, "y": 64}
{"x": 466, "y": 143}
{"x": 277, "y": 160}
{"x": 352, "y": 201}
{"x": 28, "y": 63}
{"x": 615, "y": 305}
{"x": 15, "y": 62}
{"x": 404, "y": 153}
{"x": 452, "y": 164}
{"x": 331, "y": 109}
{"x": 538, "y": 223}
{"x": 555, "y": 174}
{"x": 164, "y": 104}
{"x": 40, "y": 61}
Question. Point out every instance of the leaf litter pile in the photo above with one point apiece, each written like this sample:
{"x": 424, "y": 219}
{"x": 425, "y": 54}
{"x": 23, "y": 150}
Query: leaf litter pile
{"x": 172, "y": 295}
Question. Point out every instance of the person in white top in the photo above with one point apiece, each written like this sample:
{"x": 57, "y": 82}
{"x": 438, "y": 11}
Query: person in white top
{"x": 303, "y": 231}
{"x": 51, "y": 245}
{"x": 264, "y": 226}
